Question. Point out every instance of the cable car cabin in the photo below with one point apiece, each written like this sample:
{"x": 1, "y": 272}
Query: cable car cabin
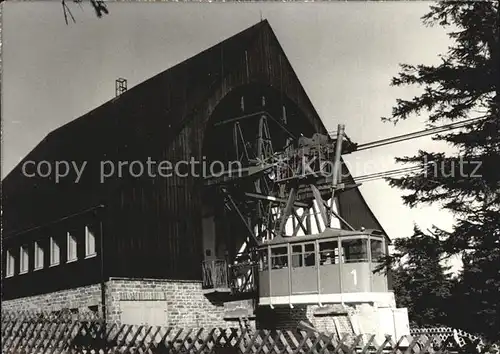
{"x": 335, "y": 266}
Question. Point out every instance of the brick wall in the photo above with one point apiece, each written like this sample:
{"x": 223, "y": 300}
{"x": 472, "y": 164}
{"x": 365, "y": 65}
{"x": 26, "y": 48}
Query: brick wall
{"x": 78, "y": 298}
{"x": 187, "y": 306}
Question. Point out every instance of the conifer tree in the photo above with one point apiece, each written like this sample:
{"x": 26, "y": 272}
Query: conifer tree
{"x": 465, "y": 85}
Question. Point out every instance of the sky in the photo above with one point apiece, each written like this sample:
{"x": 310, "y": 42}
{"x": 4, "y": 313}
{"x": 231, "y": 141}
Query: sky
{"x": 344, "y": 53}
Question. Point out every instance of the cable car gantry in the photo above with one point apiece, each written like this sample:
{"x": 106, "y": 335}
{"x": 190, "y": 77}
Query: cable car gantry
{"x": 298, "y": 248}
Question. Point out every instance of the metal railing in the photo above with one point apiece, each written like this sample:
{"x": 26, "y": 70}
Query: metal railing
{"x": 215, "y": 274}
{"x": 243, "y": 277}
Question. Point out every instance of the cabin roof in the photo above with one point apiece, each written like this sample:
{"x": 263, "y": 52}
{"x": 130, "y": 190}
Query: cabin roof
{"x": 326, "y": 234}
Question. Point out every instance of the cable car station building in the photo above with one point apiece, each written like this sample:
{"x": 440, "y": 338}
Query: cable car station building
{"x": 268, "y": 242}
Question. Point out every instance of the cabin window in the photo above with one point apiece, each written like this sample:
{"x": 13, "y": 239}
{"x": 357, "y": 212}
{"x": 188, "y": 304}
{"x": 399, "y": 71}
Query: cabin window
{"x": 72, "y": 249}
{"x": 38, "y": 256}
{"x": 279, "y": 257}
{"x": 89, "y": 242}
{"x": 303, "y": 255}
{"x": 355, "y": 250}
{"x": 297, "y": 256}
{"x": 55, "y": 254}
{"x": 309, "y": 255}
{"x": 24, "y": 260}
{"x": 377, "y": 249}
{"x": 328, "y": 253}
{"x": 263, "y": 263}
{"x": 10, "y": 264}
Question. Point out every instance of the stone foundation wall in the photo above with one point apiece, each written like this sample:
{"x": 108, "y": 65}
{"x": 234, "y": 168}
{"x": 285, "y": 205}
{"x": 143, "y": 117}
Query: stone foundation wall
{"x": 186, "y": 305}
{"x": 79, "y": 298}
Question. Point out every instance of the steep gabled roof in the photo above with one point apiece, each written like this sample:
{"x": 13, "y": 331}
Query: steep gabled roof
{"x": 30, "y": 202}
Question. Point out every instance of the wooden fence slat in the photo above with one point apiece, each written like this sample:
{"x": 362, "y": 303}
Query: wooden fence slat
{"x": 398, "y": 344}
{"x": 427, "y": 344}
{"x": 45, "y": 330}
{"x": 27, "y": 336}
{"x": 38, "y": 325}
{"x": 20, "y": 334}
{"x": 328, "y": 343}
{"x": 264, "y": 343}
{"x": 39, "y": 335}
{"x": 48, "y": 333}
{"x": 172, "y": 345}
{"x": 146, "y": 349}
{"x": 301, "y": 344}
{"x": 354, "y": 345}
{"x": 132, "y": 341}
{"x": 291, "y": 336}
{"x": 219, "y": 338}
{"x": 368, "y": 344}
{"x": 314, "y": 344}
{"x": 16, "y": 329}
{"x": 285, "y": 343}
{"x": 123, "y": 341}
{"x": 115, "y": 338}
{"x": 274, "y": 343}
{"x": 61, "y": 333}
{"x": 195, "y": 339}
{"x": 239, "y": 342}
{"x": 413, "y": 343}
{"x": 68, "y": 342}
{"x": 252, "y": 341}
{"x": 382, "y": 347}
{"x": 9, "y": 338}
{"x": 140, "y": 344}
{"x": 205, "y": 342}
{"x": 49, "y": 337}
{"x": 233, "y": 335}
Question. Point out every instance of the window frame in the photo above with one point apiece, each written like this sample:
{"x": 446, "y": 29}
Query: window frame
{"x": 37, "y": 250}
{"x": 333, "y": 252}
{"x": 87, "y": 233}
{"x": 263, "y": 260}
{"x": 54, "y": 242}
{"x": 303, "y": 254}
{"x": 10, "y": 264}
{"x": 299, "y": 254}
{"x": 382, "y": 249}
{"x": 279, "y": 255}
{"x": 307, "y": 253}
{"x": 24, "y": 260}
{"x": 351, "y": 257}
{"x": 70, "y": 240}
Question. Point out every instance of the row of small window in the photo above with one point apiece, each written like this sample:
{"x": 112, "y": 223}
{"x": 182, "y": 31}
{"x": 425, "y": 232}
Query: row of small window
{"x": 55, "y": 253}
{"x": 304, "y": 255}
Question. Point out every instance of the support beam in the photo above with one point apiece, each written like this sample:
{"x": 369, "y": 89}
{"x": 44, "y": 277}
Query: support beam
{"x": 242, "y": 217}
{"x": 315, "y": 213}
{"x": 274, "y": 199}
{"x": 286, "y": 211}
{"x": 336, "y": 166}
{"x": 331, "y": 210}
{"x": 300, "y": 222}
{"x": 321, "y": 205}
{"x": 308, "y": 220}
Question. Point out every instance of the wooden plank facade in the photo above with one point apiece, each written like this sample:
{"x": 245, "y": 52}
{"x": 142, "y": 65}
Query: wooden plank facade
{"x": 150, "y": 226}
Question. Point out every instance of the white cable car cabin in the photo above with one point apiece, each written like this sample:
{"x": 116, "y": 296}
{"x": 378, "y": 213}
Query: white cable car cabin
{"x": 335, "y": 266}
